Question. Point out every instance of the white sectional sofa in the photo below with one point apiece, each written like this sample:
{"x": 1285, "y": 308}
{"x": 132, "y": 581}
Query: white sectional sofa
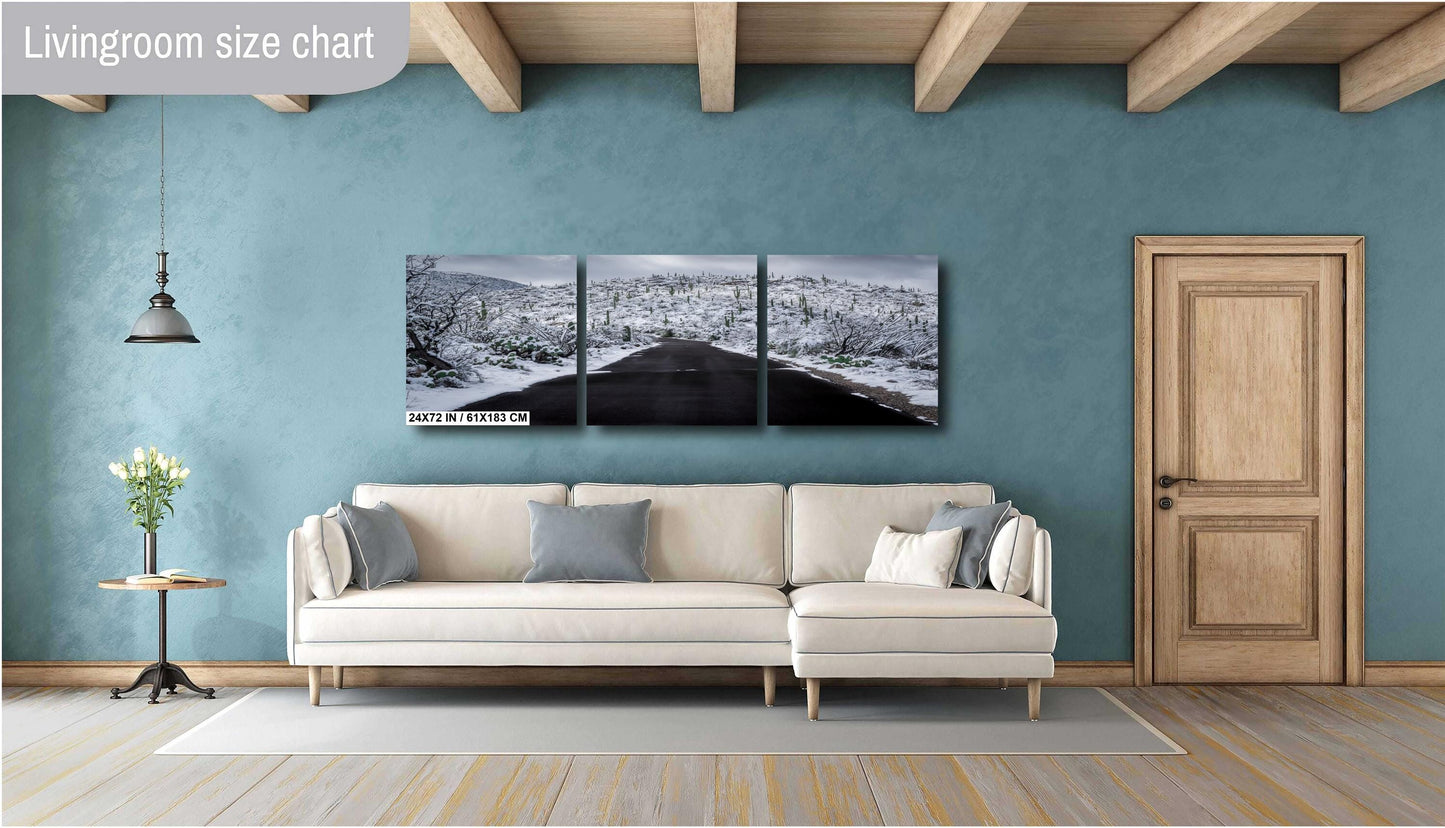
{"x": 743, "y": 575}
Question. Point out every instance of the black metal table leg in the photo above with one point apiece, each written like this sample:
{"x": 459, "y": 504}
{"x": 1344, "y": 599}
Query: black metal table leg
{"x": 175, "y": 675}
{"x": 139, "y": 680}
{"x": 156, "y": 689}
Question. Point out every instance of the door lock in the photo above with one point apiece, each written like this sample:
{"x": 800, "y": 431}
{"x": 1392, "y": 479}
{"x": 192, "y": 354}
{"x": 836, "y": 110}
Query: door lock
{"x": 1166, "y": 503}
{"x": 1166, "y": 481}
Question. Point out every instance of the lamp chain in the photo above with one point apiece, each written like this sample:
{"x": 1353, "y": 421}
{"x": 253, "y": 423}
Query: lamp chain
{"x": 163, "y": 172}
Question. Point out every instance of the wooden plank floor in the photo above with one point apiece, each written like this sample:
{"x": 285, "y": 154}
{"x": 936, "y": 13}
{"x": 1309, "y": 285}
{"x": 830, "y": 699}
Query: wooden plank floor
{"x": 1256, "y": 755}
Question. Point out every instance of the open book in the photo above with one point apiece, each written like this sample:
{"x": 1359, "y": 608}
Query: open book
{"x": 169, "y": 576}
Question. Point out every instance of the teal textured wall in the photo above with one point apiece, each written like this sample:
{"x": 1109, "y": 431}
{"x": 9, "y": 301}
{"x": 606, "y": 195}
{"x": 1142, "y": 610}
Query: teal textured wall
{"x": 287, "y": 234}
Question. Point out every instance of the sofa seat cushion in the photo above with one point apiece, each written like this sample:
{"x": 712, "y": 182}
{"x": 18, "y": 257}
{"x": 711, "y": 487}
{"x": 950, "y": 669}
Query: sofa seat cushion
{"x": 549, "y": 612}
{"x": 857, "y": 618}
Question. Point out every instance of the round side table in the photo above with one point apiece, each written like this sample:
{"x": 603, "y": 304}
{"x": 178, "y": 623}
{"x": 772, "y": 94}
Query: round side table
{"x": 163, "y": 673}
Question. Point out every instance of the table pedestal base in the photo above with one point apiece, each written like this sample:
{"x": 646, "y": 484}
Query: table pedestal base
{"x": 163, "y": 674}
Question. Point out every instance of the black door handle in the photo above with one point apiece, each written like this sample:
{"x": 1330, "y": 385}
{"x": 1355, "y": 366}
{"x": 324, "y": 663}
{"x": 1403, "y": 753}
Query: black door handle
{"x": 1166, "y": 481}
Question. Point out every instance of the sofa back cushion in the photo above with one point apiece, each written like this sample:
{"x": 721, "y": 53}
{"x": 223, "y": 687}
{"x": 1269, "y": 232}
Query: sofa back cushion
{"x": 834, "y": 527}
{"x": 466, "y": 533}
{"x": 730, "y": 533}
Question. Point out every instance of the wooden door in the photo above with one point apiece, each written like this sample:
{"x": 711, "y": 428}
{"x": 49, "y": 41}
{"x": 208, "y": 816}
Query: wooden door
{"x": 1249, "y": 370}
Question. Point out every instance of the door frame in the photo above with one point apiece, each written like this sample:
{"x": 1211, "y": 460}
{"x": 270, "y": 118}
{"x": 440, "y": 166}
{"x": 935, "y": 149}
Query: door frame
{"x": 1352, "y": 248}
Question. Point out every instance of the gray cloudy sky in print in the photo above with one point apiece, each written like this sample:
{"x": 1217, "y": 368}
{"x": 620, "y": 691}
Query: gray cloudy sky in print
{"x": 534, "y": 270}
{"x": 897, "y": 271}
{"x": 621, "y": 267}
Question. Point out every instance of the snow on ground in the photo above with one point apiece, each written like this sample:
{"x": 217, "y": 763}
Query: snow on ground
{"x": 926, "y": 396}
{"x": 750, "y": 348}
{"x": 719, "y": 309}
{"x": 494, "y": 380}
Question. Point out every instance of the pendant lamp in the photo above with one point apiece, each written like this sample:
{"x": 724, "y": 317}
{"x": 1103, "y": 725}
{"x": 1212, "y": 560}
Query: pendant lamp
{"x": 162, "y": 322}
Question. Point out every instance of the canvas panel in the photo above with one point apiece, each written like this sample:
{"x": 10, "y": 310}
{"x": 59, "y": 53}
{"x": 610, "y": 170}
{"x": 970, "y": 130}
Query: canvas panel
{"x": 853, "y": 340}
{"x": 490, "y": 337}
{"x": 672, "y": 340}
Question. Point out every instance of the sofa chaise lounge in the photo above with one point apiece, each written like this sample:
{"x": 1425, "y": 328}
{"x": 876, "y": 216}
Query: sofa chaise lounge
{"x": 743, "y": 575}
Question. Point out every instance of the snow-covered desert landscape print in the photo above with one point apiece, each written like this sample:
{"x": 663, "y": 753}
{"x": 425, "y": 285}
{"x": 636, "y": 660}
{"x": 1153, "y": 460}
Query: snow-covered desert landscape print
{"x": 852, "y": 340}
{"x": 672, "y": 340}
{"x": 492, "y": 333}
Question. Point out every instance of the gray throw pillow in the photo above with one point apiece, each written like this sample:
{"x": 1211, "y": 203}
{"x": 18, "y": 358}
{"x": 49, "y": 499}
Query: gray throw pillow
{"x": 589, "y": 543}
{"x": 979, "y": 525}
{"x": 381, "y": 548}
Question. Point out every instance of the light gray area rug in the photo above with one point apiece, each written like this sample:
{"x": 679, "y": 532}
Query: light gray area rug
{"x": 689, "y": 720}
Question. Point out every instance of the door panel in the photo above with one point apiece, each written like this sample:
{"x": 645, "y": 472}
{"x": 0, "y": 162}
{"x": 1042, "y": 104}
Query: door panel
{"x": 1248, "y": 561}
{"x": 1247, "y": 401}
{"x": 1252, "y": 575}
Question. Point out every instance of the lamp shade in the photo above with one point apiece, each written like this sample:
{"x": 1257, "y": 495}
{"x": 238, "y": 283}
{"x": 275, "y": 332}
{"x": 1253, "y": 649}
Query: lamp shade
{"x": 161, "y": 323}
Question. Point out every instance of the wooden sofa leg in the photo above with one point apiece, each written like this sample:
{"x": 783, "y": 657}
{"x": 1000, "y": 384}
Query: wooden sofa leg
{"x": 814, "y": 686}
{"x": 770, "y": 685}
{"x": 313, "y": 673}
{"x": 1036, "y": 688}
{"x": 337, "y": 676}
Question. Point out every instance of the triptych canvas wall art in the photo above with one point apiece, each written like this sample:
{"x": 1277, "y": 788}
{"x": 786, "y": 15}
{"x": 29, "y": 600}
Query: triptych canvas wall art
{"x": 671, "y": 340}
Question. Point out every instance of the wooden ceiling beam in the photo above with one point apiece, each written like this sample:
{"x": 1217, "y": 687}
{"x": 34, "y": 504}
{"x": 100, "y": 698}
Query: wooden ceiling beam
{"x": 286, "y": 103}
{"x": 717, "y": 53}
{"x": 477, "y": 48}
{"x": 78, "y": 103}
{"x": 1401, "y": 64}
{"x": 1207, "y": 39}
{"x": 961, "y": 41}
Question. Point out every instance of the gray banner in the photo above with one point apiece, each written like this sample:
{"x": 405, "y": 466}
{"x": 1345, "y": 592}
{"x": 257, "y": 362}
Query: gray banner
{"x": 201, "y": 48}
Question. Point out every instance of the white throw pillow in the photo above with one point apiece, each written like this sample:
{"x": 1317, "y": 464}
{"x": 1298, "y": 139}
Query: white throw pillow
{"x": 1011, "y": 558}
{"x": 326, "y": 554}
{"x": 920, "y": 559}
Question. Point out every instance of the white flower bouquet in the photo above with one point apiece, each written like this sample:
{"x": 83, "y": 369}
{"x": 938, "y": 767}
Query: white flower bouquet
{"x": 151, "y": 480}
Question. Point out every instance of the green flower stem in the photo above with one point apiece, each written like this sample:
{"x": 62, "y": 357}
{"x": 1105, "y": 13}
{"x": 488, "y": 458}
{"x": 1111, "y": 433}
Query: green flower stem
{"x": 148, "y": 497}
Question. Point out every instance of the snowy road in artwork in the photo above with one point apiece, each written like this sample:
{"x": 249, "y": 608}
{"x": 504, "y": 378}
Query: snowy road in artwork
{"x": 675, "y": 382}
{"x": 683, "y": 382}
